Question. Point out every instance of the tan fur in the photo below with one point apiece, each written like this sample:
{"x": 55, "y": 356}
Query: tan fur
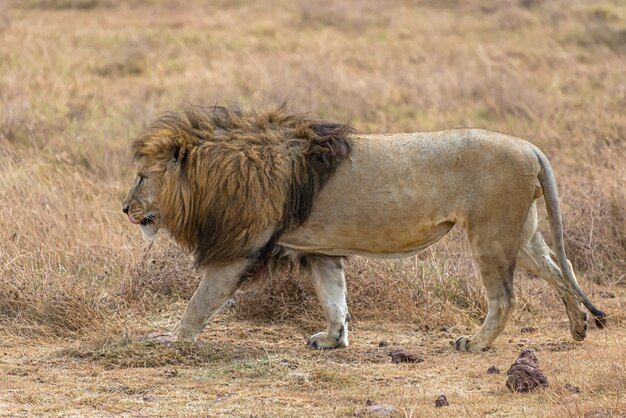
{"x": 394, "y": 196}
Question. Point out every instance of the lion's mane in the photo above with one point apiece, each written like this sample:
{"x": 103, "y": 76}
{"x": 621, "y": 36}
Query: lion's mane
{"x": 226, "y": 175}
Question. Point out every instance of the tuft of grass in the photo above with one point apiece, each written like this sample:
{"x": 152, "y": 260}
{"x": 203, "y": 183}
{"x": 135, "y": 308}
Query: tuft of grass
{"x": 127, "y": 352}
{"x": 164, "y": 271}
{"x": 56, "y": 309}
{"x": 602, "y": 260}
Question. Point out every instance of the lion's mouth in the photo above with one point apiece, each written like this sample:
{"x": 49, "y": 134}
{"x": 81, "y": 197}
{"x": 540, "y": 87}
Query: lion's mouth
{"x": 143, "y": 222}
{"x": 150, "y": 219}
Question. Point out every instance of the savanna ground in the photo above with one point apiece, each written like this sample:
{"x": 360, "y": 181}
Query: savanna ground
{"x": 78, "y": 78}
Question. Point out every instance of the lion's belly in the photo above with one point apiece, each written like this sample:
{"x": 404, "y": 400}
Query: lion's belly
{"x": 393, "y": 241}
{"x": 398, "y": 194}
{"x": 384, "y": 224}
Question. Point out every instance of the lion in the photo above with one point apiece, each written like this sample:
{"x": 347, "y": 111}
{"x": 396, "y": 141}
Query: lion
{"x": 244, "y": 188}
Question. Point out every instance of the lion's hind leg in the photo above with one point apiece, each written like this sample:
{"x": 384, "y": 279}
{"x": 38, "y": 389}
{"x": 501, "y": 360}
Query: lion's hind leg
{"x": 500, "y": 305}
{"x": 495, "y": 258}
{"x": 536, "y": 257}
{"x": 330, "y": 286}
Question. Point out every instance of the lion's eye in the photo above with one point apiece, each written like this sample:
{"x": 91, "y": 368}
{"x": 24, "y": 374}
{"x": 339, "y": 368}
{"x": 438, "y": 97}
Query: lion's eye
{"x": 141, "y": 179}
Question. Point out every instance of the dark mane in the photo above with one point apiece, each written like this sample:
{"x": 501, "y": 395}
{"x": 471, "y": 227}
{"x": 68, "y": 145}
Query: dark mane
{"x": 258, "y": 166}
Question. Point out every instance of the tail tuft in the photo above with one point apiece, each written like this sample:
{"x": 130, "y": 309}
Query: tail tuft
{"x": 600, "y": 318}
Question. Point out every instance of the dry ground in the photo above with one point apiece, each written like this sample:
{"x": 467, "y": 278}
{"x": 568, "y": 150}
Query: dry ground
{"x": 78, "y": 78}
{"x": 256, "y": 369}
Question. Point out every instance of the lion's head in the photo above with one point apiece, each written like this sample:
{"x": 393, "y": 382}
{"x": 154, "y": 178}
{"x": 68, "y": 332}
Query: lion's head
{"x": 225, "y": 182}
{"x": 141, "y": 205}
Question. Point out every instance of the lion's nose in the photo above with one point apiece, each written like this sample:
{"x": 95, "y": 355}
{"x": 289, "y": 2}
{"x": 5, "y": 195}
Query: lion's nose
{"x": 125, "y": 209}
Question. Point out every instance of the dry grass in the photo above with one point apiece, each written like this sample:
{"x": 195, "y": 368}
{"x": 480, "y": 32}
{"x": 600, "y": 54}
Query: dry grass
{"x": 78, "y": 78}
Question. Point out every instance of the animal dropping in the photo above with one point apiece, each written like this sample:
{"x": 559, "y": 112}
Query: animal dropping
{"x": 403, "y": 356}
{"x": 493, "y": 370}
{"x": 441, "y": 401}
{"x": 524, "y": 374}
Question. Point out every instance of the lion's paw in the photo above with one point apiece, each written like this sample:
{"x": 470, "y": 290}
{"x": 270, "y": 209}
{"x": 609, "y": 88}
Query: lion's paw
{"x": 323, "y": 341}
{"x": 166, "y": 338}
{"x": 463, "y": 343}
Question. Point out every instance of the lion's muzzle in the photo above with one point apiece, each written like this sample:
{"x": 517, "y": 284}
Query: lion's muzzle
{"x": 126, "y": 209}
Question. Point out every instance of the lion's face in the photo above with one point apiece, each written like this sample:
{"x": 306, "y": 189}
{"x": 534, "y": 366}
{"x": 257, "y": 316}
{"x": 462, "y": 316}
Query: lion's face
{"x": 141, "y": 205}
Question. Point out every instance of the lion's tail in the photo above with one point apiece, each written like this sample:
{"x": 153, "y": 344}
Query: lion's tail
{"x": 551, "y": 196}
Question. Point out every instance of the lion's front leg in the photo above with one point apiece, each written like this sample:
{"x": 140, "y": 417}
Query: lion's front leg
{"x": 218, "y": 284}
{"x": 330, "y": 286}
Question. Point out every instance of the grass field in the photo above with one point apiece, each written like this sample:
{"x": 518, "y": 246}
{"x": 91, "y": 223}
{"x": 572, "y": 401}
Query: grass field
{"x": 79, "y": 78}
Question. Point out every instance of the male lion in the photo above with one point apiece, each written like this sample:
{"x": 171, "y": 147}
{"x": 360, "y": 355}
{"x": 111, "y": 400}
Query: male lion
{"x": 243, "y": 188}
